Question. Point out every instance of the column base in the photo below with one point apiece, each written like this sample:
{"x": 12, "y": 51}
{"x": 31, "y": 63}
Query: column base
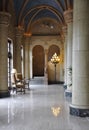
{"x": 65, "y": 86}
{"x": 46, "y": 82}
{"x": 4, "y": 94}
{"x": 81, "y": 112}
{"x": 68, "y": 93}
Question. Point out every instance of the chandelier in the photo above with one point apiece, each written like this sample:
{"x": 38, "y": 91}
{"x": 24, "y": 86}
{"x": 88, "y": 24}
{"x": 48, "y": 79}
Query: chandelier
{"x": 55, "y": 60}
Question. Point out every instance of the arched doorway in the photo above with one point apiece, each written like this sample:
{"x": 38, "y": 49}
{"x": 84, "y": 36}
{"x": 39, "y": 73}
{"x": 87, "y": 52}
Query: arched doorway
{"x": 38, "y": 61}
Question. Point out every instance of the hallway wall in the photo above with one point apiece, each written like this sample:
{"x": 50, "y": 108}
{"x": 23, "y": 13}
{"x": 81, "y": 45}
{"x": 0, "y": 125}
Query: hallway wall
{"x": 46, "y": 42}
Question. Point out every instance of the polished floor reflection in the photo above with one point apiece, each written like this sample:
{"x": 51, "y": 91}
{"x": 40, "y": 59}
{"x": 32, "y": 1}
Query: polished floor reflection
{"x": 41, "y": 108}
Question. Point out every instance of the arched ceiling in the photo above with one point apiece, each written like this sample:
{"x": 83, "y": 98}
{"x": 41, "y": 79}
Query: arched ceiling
{"x": 39, "y": 16}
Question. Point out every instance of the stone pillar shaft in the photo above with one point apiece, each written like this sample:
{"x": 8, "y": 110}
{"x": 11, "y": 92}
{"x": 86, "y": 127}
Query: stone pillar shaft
{"x": 46, "y": 66}
{"x": 69, "y": 20}
{"x": 69, "y": 54}
{"x": 19, "y": 34}
{"x": 4, "y": 22}
{"x": 80, "y": 93}
{"x": 27, "y": 58}
{"x": 65, "y": 55}
{"x": 31, "y": 62}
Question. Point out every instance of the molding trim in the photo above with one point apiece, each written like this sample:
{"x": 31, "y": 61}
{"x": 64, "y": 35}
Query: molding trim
{"x": 4, "y": 94}
{"x": 68, "y": 93}
{"x": 79, "y": 112}
{"x": 57, "y": 82}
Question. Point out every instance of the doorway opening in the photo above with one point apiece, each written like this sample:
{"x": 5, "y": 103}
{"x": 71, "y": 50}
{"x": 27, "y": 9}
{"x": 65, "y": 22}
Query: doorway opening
{"x": 38, "y": 61}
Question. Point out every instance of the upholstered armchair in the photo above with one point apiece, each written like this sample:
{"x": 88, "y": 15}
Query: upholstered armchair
{"x": 23, "y": 80}
{"x": 17, "y": 84}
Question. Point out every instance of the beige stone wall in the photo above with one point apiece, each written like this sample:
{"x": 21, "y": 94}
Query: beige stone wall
{"x": 51, "y": 72}
{"x": 46, "y": 42}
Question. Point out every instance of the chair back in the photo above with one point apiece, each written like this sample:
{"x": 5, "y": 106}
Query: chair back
{"x": 13, "y": 78}
{"x": 19, "y": 76}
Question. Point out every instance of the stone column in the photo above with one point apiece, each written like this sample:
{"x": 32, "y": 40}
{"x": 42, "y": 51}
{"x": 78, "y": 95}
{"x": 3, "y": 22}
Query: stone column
{"x": 69, "y": 20}
{"x": 19, "y": 35}
{"x": 4, "y": 22}
{"x": 64, "y": 28}
{"x": 80, "y": 89}
{"x": 46, "y": 66}
{"x": 31, "y": 62}
{"x": 61, "y": 63}
{"x": 27, "y": 57}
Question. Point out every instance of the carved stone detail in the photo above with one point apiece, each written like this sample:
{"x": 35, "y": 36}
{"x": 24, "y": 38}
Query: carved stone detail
{"x": 69, "y": 74}
{"x": 4, "y": 18}
{"x": 68, "y": 15}
{"x": 19, "y": 32}
{"x": 64, "y": 29}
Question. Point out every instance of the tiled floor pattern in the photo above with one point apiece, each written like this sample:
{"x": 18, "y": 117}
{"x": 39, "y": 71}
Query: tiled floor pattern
{"x": 44, "y": 107}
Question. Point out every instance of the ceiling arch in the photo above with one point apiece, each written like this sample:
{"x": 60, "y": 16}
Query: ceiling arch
{"x": 45, "y": 26}
{"x": 43, "y": 7}
{"x": 47, "y": 9}
{"x": 29, "y": 11}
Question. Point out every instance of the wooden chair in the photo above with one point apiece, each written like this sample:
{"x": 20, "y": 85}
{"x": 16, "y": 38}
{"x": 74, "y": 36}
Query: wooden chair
{"x": 25, "y": 81}
{"x": 17, "y": 84}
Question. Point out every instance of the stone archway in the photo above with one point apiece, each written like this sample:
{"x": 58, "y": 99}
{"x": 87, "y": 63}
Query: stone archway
{"x": 38, "y": 61}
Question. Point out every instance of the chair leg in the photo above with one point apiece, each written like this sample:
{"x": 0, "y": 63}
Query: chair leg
{"x": 24, "y": 90}
{"x": 16, "y": 90}
{"x": 21, "y": 89}
{"x": 28, "y": 86}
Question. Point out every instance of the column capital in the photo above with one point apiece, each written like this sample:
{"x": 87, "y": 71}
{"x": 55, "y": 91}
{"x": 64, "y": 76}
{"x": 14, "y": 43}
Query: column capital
{"x": 64, "y": 32}
{"x": 4, "y": 18}
{"x": 19, "y": 31}
{"x": 46, "y": 51}
{"x": 64, "y": 29}
{"x": 68, "y": 16}
{"x": 27, "y": 37}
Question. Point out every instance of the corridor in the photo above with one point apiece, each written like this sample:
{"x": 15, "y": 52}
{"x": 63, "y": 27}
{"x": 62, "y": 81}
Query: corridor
{"x": 44, "y": 107}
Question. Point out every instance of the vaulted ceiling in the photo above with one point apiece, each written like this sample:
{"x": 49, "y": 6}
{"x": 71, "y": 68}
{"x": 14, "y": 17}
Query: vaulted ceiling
{"x": 39, "y": 16}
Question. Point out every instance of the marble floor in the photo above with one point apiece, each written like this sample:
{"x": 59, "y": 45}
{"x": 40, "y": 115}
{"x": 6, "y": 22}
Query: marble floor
{"x": 44, "y": 107}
